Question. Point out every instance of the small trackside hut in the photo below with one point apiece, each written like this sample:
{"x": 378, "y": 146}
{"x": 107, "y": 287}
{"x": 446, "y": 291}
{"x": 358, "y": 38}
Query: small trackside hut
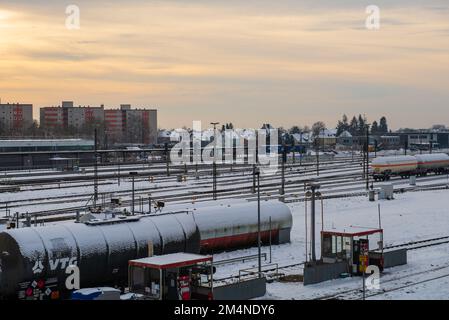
{"x": 176, "y": 276}
{"x": 354, "y": 248}
{"x": 345, "y": 253}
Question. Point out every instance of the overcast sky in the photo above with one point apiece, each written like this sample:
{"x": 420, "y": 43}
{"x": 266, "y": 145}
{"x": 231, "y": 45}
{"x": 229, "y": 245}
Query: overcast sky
{"x": 248, "y": 62}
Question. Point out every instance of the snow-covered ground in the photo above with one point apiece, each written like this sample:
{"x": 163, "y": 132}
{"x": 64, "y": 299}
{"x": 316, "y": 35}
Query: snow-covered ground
{"x": 411, "y": 216}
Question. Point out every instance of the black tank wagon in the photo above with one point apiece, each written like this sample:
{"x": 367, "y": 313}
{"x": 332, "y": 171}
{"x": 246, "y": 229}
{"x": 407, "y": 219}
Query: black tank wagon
{"x": 37, "y": 257}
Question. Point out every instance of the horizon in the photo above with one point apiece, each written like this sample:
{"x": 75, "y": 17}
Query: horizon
{"x": 248, "y": 63}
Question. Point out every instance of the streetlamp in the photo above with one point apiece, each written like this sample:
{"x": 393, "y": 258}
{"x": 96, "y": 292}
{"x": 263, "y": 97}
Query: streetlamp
{"x": 214, "y": 165}
{"x": 312, "y": 193}
{"x": 259, "y": 255}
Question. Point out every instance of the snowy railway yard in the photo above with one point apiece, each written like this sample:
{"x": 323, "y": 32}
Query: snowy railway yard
{"x": 410, "y": 217}
{"x": 417, "y": 218}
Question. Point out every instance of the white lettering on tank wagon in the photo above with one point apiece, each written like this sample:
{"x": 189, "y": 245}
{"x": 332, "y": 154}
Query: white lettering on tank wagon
{"x": 55, "y": 264}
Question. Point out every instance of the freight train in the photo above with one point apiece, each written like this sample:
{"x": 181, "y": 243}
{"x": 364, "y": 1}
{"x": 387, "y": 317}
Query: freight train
{"x": 406, "y": 166}
{"x": 34, "y": 260}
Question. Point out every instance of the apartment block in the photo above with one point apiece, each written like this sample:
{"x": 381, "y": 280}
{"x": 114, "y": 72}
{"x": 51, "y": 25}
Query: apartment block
{"x": 67, "y": 116}
{"x": 15, "y": 116}
{"x": 125, "y": 124}
{"x": 131, "y": 125}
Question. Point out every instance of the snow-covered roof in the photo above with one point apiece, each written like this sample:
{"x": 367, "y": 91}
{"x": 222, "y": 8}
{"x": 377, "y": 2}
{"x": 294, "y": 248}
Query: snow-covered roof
{"x": 345, "y": 134}
{"x": 164, "y": 134}
{"x": 171, "y": 260}
{"x": 302, "y": 137}
{"x": 353, "y": 231}
{"x": 45, "y": 142}
{"x": 328, "y": 133}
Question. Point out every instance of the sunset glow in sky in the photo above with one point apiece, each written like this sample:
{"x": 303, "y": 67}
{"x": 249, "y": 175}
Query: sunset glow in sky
{"x": 247, "y": 62}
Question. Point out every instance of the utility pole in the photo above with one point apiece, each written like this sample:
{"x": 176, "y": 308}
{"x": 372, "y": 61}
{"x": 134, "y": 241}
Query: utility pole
{"x": 317, "y": 150}
{"x": 167, "y": 159}
{"x": 364, "y": 287}
{"x": 284, "y": 158}
{"x": 363, "y": 152}
{"x": 254, "y": 178}
{"x": 376, "y": 145}
{"x": 431, "y": 143}
{"x": 133, "y": 174}
{"x": 259, "y": 240}
{"x": 118, "y": 172}
{"x": 95, "y": 169}
{"x": 300, "y": 150}
{"x": 214, "y": 165}
{"x": 293, "y": 150}
{"x": 312, "y": 193}
{"x": 367, "y": 157}
{"x": 256, "y": 162}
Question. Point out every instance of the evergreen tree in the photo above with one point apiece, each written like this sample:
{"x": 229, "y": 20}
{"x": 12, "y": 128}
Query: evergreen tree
{"x": 353, "y": 126}
{"x": 383, "y": 126}
{"x": 295, "y": 129}
{"x": 375, "y": 128}
{"x": 362, "y": 125}
{"x": 342, "y": 125}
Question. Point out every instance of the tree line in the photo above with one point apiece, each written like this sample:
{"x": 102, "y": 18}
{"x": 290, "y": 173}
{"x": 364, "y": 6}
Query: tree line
{"x": 358, "y": 125}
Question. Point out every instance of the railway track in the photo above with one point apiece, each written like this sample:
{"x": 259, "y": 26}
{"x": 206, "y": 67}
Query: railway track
{"x": 414, "y": 245}
{"x": 344, "y": 181}
{"x": 271, "y": 273}
{"x": 113, "y": 173}
{"x": 275, "y": 272}
{"x": 388, "y": 285}
{"x": 269, "y": 191}
{"x": 271, "y": 182}
{"x": 357, "y": 294}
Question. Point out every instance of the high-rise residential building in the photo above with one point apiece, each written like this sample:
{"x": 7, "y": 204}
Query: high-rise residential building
{"x": 15, "y": 116}
{"x": 131, "y": 125}
{"x": 67, "y": 116}
{"x": 125, "y": 125}
{"x": 52, "y": 117}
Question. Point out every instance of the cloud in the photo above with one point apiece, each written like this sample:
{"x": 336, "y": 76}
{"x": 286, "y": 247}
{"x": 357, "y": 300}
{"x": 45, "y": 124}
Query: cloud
{"x": 289, "y": 61}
